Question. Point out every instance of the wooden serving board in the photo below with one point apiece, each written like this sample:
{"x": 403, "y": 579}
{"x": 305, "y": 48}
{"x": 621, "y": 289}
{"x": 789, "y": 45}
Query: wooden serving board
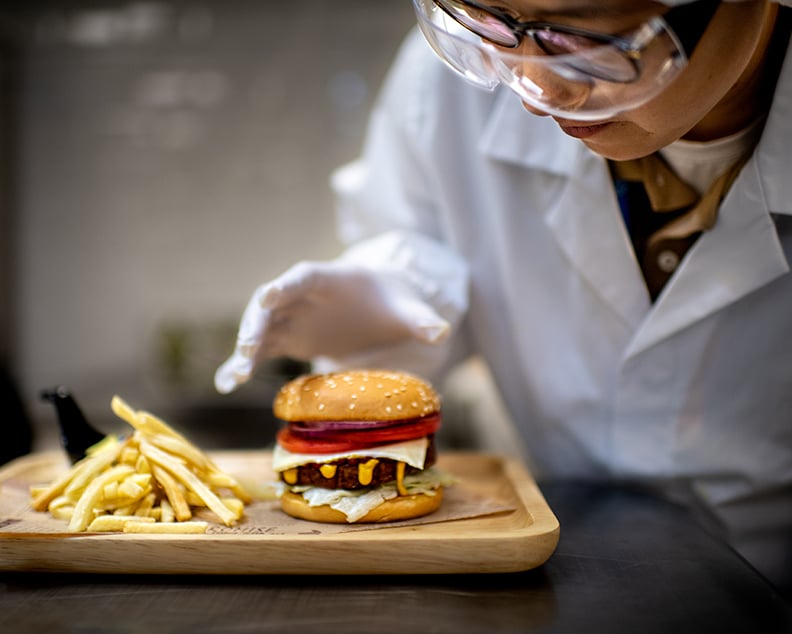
{"x": 493, "y": 519}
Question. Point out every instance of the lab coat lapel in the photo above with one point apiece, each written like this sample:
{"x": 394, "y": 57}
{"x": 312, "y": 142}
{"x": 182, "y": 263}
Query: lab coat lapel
{"x": 585, "y": 220}
{"x": 587, "y": 225}
{"x": 742, "y": 252}
{"x": 739, "y": 255}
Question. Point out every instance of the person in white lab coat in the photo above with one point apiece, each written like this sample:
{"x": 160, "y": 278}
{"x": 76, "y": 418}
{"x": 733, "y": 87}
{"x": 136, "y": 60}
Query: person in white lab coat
{"x": 638, "y": 326}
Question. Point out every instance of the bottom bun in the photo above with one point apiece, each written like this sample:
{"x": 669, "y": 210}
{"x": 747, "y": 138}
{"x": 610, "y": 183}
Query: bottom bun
{"x": 401, "y": 508}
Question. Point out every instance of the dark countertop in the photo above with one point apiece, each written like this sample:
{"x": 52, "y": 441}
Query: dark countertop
{"x": 626, "y": 562}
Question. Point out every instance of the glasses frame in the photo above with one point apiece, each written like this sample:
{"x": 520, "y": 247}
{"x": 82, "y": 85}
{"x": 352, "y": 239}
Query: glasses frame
{"x": 688, "y": 23}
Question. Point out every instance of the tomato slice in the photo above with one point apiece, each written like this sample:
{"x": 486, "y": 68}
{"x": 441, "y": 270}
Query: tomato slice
{"x": 352, "y": 440}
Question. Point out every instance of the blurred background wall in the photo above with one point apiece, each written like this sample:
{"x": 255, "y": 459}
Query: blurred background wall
{"x": 161, "y": 159}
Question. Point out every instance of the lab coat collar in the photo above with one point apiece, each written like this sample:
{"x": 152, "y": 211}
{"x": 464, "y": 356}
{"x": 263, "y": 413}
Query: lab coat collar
{"x": 514, "y": 136}
{"x": 774, "y": 152}
{"x": 742, "y": 252}
{"x": 584, "y": 220}
{"x": 739, "y": 255}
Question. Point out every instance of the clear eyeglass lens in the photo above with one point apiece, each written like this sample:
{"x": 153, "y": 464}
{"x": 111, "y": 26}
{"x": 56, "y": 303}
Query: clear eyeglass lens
{"x": 610, "y": 62}
{"x": 558, "y": 43}
{"x": 582, "y": 79}
{"x": 481, "y": 22}
{"x": 591, "y": 56}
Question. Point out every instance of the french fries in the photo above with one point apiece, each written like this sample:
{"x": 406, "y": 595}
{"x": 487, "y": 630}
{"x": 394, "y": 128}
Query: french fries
{"x": 150, "y": 482}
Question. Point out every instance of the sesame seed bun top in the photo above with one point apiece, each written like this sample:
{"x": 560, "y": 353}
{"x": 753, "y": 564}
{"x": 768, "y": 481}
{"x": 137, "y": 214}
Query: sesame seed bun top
{"x": 355, "y": 395}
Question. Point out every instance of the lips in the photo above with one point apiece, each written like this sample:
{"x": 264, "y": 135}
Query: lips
{"x": 582, "y": 131}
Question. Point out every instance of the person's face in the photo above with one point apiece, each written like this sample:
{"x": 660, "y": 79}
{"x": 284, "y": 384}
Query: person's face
{"x": 712, "y": 97}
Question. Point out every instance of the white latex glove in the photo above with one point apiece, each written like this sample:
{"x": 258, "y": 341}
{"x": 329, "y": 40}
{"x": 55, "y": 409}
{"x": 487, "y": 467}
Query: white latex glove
{"x": 330, "y": 309}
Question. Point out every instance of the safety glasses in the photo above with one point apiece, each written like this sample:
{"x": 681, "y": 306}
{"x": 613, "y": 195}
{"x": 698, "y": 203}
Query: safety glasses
{"x": 575, "y": 73}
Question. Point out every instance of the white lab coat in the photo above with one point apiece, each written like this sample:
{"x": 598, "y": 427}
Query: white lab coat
{"x": 696, "y": 388}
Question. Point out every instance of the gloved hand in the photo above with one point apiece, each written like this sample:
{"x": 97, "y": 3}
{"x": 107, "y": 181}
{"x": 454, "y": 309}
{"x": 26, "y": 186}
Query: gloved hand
{"x": 330, "y": 309}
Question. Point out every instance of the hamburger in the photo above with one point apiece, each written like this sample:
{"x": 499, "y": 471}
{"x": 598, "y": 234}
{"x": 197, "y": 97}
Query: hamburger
{"x": 358, "y": 446}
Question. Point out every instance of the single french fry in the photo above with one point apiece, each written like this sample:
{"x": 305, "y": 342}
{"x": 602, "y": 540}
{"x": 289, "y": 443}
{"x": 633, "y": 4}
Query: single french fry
{"x": 88, "y": 500}
{"x": 142, "y": 465}
{"x": 63, "y": 513}
{"x": 166, "y": 527}
{"x": 122, "y": 409}
{"x": 193, "y": 499}
{"x": 129, "y": 455}
{"x": 110, "y": 491}
{"x": 235, "y": 505}
{"x": 188, "y": 479}
{"x": 37, "y": 490}
{"x": 108, "y": 442}
{"x": 60, "y": 502}
{"x": 105, "y": 523}
{"x": 177, "y": 447}
{"x": 221, "y": 480}
{"x": 158, "y": 426}
{"x": 146, "y": 504}
{"x": 167, "y": 513}
{"x": 176, "y": 497}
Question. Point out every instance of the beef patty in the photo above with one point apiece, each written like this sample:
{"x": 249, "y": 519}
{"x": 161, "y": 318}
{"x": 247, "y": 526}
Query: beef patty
{"x": 346, "y": 474}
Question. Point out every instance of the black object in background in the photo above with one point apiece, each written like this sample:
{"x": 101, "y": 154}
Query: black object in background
{"x": 15, "y": 427}
{"x": 77, "y": 434}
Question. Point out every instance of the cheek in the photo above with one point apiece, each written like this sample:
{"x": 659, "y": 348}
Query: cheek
{"x": 654, "y": 125}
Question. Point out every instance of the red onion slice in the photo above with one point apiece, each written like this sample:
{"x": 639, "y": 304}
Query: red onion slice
{"x": 314, "y": 429}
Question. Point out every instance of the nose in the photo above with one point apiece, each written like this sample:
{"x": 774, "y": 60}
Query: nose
{"x": 534, "y": 110}
{"x": 544, "y": 84}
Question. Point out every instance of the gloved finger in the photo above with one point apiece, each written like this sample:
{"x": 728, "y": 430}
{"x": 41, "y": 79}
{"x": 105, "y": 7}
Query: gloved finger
{"x": 235, "y": 371}
{"x": 238, "y": 368}
{"x": 253, "y": 324}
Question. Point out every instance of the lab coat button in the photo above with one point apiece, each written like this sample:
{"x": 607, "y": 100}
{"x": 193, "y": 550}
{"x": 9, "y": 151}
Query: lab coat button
{"x": 667, "y": 261}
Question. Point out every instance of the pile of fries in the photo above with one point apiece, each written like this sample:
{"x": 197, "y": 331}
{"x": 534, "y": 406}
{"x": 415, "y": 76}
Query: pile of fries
{"x": 149, "y": 482}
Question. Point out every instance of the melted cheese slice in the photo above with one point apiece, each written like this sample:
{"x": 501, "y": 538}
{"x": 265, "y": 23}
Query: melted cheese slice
{"x": 413, "y": 452}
